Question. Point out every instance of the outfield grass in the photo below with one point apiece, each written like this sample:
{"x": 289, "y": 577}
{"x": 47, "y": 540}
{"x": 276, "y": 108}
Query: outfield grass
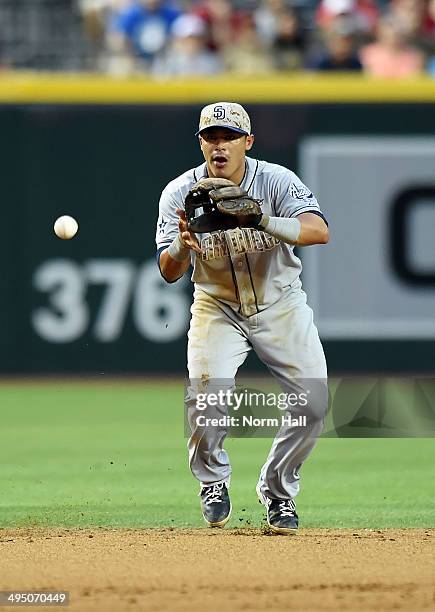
{"x": 114, "y": 454}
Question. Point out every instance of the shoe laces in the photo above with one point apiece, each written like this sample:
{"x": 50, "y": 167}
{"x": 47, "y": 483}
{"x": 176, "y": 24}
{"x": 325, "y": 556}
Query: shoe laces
{"x": 213, "y": 494}
{"x": 287, "y": 507}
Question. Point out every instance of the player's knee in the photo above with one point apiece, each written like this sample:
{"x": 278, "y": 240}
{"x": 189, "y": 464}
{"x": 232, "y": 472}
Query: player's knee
{"x": 317, "y": 410}
{"x": 314, "y": 403}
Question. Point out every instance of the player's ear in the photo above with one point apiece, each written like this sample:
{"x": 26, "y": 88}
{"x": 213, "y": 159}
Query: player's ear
{"x": 249, "y": 142}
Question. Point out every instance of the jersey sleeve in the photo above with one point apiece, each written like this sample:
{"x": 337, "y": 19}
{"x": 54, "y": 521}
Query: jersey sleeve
{"x": 293, "y": 197}
{"x": 167, "y": 222}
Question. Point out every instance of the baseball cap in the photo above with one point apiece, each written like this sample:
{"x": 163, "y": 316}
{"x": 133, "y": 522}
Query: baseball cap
{"x": 225, "y": 114}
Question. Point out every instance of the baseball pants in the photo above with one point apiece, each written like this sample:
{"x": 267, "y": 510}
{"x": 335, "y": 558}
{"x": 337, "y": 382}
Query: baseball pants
{"x": 286, "y": 340}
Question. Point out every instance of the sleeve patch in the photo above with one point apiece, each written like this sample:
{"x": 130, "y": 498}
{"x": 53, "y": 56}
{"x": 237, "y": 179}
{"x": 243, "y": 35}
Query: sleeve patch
{"x": 300, "y": 192}
{"x": 162, "y": 223}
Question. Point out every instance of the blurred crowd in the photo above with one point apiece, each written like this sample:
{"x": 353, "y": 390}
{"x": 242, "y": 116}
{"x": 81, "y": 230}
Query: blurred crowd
{"x": 169, "y": 38}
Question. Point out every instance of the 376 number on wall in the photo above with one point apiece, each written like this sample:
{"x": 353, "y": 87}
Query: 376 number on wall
{"x": 159, "y": 312}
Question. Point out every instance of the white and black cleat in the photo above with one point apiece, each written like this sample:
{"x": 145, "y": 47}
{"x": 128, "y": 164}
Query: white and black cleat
{"x": 215, "y": 504}
{"x": 282, "y": 517}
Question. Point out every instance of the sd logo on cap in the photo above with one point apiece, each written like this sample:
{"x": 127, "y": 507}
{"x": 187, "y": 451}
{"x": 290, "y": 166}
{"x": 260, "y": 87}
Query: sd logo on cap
{"x": 225, "y": 114}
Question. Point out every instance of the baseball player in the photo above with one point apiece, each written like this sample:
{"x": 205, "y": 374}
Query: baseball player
{"x": 236, "y": 220}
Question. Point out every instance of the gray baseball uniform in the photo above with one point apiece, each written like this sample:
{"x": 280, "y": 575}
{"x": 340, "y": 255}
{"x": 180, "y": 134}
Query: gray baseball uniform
{"x": 247, "y": 296}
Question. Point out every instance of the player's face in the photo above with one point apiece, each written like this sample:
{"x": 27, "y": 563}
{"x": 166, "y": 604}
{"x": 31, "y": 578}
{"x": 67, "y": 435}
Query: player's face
{"x": 224, "y": 151}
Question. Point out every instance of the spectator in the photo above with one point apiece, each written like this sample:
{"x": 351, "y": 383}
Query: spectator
{"x": 139, "y": 30}
{"x": 247, "y": 56}
{"x": 289, "y": 42}
{"x": 267, "y": 18}
{"x": 429, "y": 19}
{"x": 222, "y": 21}
{"x": 340, "y": 51}
{"x": 390, "y": 55}
{"x": 415, "y": 19}
{"x": 429, "y": 35}
{"x": 95, "y": 14}
{"x": 410, "y": 15}
{"x": 188, "y": 54}
{"x": 365, "y": 13}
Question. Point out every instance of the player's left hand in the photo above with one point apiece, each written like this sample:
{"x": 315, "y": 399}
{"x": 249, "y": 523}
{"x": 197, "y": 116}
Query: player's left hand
{"x": 188, "y": 237}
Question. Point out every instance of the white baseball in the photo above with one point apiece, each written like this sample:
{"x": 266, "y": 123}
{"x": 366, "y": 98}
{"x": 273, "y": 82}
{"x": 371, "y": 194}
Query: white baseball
{"x": 66, "y": 227}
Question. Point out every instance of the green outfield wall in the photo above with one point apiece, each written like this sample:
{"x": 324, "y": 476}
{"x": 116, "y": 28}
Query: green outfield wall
{"x": 102, "y": 151}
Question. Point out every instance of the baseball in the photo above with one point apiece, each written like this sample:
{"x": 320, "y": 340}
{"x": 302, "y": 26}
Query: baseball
{"x": 66, "y": 227}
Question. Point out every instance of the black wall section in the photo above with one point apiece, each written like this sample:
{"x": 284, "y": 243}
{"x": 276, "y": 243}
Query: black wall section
{"x": 96, "y": 304}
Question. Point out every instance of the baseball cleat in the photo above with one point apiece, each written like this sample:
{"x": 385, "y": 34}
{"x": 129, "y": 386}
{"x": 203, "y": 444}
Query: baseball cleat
{"x": 282, "y": 517}
{"x": 216, "y": 504}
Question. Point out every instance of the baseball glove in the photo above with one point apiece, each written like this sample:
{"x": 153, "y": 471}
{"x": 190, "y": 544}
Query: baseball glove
{"x": 218, "y": 204}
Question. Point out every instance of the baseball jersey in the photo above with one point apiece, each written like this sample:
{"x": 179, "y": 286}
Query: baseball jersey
{"x": 245, "y": 268}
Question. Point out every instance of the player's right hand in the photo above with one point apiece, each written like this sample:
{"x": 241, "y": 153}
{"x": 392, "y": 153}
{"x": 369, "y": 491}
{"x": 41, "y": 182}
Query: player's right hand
{"x": 188, "y": 238}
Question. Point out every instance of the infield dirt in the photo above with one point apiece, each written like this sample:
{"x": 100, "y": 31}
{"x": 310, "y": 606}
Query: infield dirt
{"x": 234, "y": 569}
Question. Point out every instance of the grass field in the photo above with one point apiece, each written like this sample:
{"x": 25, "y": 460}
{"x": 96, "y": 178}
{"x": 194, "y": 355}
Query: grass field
{"x": 114, "y": 454}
